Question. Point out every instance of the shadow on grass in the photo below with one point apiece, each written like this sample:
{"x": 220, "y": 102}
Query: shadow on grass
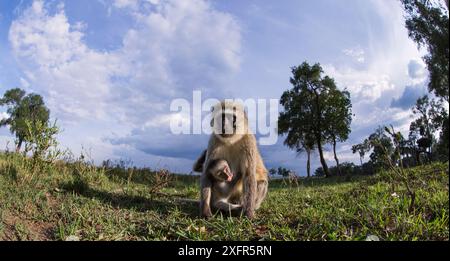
{"x": 161, "y": 204}
{"x": 147, "y": 177}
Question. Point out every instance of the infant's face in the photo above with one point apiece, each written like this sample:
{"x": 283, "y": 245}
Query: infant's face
{"x": 224, "y": 172}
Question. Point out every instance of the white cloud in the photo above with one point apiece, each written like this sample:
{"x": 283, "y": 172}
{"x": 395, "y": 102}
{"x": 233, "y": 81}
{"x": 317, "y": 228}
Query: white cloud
{"x": 3, "y": 115}
{"x": 133, "y": 4}
{"x": 126, "y": 3}
{"x": 182, "y": 44}
{"x": 355, "y": 53}
{"x": 386, "y": 70}
{"x": 45, "y": 40}
{"x": 417, "y": 71}
{"x": 175, "y": 47}
{"x": 74, "y": 78}
{"x": 24, "y": 83}
{"x": 365, "y": 85}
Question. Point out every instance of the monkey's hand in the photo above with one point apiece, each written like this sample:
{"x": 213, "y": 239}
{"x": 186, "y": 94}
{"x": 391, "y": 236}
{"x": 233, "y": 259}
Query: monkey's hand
{"x": 250, "y": 214}
{"x": 205, "y": 199}
{"x": 207, "y": 214}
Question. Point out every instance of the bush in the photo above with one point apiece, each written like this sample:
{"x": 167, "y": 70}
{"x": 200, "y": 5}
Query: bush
{"x": 41, "y": 141}
{"x": 347, "y": 169}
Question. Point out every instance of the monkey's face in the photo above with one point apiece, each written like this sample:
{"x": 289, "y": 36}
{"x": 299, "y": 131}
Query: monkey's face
{"x": 229, "y": 121}
{"x": 224, "y": 174}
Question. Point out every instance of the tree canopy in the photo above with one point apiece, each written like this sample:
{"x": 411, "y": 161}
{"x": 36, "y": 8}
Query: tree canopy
{"x": 427, "y": 24}
{"x": 25, "y": 111}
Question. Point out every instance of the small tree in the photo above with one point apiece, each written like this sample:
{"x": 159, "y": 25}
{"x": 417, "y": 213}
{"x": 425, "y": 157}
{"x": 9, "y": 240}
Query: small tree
{"x": 272, "y": 171}
{"x": 394, "y": 163}
{"x": 382, "y": 147}
{"x": 42, "y": 142}
{"x": 25, "y": 111}
{"x": 362, "y": 149}
{"x": 284, "y": 172}
{"x": 338, "y": 118}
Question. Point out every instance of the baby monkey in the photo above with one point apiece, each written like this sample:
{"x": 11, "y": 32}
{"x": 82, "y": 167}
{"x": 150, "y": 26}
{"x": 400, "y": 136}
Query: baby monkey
{"x": 225, "y": 196}
{"x": 219, "y": 170}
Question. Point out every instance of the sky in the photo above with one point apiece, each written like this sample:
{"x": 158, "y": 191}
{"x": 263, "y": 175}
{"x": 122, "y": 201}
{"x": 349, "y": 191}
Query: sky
{"x": 109, "y": 69}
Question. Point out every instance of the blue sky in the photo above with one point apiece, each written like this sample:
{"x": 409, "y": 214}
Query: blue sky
{"x": 108, "y": 69}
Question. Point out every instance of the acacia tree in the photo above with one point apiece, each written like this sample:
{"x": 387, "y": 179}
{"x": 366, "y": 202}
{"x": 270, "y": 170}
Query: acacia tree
{"x": 307, "y": 110}
{"x": 338, "y": 118}
{"x": 25, "y": 112}
{"x": 427, "y": 24}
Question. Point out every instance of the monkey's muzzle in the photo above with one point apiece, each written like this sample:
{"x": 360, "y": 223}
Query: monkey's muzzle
{"x": 229, "y": 174}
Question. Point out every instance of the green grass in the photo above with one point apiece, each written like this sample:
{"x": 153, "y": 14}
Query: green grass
{"x": 59, "y": 200}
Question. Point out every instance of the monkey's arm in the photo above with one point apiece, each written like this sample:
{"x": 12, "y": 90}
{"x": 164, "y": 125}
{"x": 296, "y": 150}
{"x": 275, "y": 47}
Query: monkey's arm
{"x": 250, "y": 189}
{"x": 198, "y": 165}
{"x": 205, "y": 197}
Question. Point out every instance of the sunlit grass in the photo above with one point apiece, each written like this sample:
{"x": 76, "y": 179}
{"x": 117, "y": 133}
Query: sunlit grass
{"x": 94, "y": 203}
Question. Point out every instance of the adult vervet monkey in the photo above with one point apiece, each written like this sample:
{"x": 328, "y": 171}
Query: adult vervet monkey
{"x": 233, "y": 143}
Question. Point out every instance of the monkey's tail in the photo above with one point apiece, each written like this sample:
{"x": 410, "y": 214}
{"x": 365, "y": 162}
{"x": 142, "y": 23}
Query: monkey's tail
{"x": 198, "y": 166}
{"x": 188, "y": 200}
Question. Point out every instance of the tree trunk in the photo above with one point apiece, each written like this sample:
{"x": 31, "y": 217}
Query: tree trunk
{"x": 335, "y": 157}
{"x": 360, "y": 160}
{"x": 308, "y": 163}
{"x": 322, "y": 159}
{"x": 417, "y": 155}
{"x": 19, "y": 145}
{"x": 319, "y": 136}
